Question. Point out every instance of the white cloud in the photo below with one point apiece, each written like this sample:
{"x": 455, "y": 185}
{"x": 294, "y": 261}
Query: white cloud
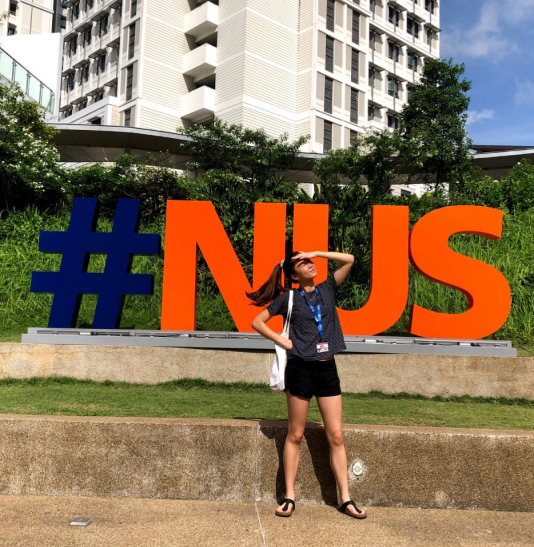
{"x": 477, "y": 116}
{"x": 486, "y": 38}
{"x": 517, "y": 11}
{"x": 525, "y": 93}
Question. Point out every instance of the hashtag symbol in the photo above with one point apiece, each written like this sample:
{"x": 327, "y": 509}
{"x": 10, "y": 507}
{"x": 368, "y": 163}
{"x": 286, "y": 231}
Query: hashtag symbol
{"x": 114, "y": 283}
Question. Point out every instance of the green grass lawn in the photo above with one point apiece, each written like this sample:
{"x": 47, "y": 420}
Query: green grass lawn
{"x": 201, "y": 399}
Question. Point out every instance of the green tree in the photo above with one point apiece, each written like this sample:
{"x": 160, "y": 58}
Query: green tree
{"x": 518, "y": 187}
{"x": 130, "y": 177}
{"x": 29, "y": 168}
{"x": 247, "y": 153}
{"x": 433, "y": 125}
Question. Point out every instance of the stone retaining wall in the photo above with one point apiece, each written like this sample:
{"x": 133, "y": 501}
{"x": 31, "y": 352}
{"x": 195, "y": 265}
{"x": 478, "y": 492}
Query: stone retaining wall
{"x": 360, "y": 373}
{"x": 241, "y": 460}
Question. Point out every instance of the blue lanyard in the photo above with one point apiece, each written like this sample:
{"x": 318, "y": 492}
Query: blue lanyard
{"x": 316, "y": 313}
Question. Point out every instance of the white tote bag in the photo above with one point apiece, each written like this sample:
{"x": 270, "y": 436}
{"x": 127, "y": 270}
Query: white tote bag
{"x": 279, "y": 365}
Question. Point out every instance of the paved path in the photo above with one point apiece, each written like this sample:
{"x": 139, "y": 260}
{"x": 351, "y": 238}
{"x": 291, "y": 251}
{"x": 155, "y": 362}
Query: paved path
{"x": 44, "y": 521}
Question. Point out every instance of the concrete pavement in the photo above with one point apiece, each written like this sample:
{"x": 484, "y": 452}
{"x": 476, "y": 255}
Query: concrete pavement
{"x": 43, "y": 521}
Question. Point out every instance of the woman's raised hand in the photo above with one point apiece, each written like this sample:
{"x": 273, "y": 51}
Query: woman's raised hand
{"x": 304, "y": 256}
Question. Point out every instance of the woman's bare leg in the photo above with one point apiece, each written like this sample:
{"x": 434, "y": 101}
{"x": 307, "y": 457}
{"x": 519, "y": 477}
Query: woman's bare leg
{"x": 297, "y": 415}
{"x": 331, "y": 411}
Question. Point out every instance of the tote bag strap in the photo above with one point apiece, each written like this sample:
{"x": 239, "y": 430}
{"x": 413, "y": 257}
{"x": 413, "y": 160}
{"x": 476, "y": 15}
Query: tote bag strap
{"x": 289, "y": 311}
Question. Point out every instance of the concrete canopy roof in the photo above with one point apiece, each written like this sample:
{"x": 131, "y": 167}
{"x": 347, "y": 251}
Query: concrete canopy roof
{"x": 97, "y": 143}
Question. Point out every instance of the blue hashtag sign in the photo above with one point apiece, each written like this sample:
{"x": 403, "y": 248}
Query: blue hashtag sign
{"x": 76, "y": 245}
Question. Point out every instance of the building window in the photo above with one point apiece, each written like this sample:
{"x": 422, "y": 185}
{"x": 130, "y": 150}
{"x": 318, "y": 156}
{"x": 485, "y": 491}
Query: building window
{"x": 74, "y": 45}
{"x": 133, "y": 8}
{"x": 83, "y": 105}
{"x": 129, "y": 82}
{"x": 328, "y": 85}
{"x": 372, "y": 6}
{"x": 371, "y": 76}
{"x": 70, "y": 81}
{"x": 412, "y": 27}
{"x": 353, "y": 137}
{"x": 96, "y": 121}
{"x": 329, "y": 65}
{"x": 370, "y": 112}
{"x": 13, "y": 8}
{"x": 89, "y": 4}
{"x": 327, "y": 136}
{"x": 102, "y": 62}
{"x": 99, "y": 96}
{"x": 429, "y": 5}
{"x": 355, "y": 27}
{"x": 131, "y": 41}
{"x": 393, "y": 51}
{"x": 410, "y": 91}
{"x": 354, "y": 66}
{"x": 429, "y": 36}
{"x": 103, "y": 25}
{"x": 394, "y": 16}
{"x": 11, "y": 30}
{"x": 372, "y": 39}
{"x": 393, "y": 122}
{"x": 127, "y": 117}
{"x": 87, "y": 33}
{"x": 76, "y": 10}
{"x": 393, "y": 87}
{"x": 85, "y": 72}
{"x": 354, "y": 105}
{"x": 413, "y": 61}
{"x": 63, "y": 22}
{"x": 69, "y": 112}
{"x": 330, "y": 7}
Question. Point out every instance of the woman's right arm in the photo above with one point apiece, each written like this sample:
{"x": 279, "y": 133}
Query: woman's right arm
{"x": 260, "y": 325}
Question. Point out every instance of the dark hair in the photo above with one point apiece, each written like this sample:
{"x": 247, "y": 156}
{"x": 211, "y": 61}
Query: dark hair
{"x": 273, "y": 286}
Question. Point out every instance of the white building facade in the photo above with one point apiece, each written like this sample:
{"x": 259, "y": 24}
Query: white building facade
{"x": 325, "y": 68}
{"x": 27, "y": 17}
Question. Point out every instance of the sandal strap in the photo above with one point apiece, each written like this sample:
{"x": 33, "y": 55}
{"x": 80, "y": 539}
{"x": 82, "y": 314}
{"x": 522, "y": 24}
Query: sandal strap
{"x": 343, "y": 508}
{"x": 286, "y": 503}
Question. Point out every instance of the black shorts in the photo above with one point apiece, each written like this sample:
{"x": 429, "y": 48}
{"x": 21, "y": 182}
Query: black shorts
{"x": 308, "y": 378}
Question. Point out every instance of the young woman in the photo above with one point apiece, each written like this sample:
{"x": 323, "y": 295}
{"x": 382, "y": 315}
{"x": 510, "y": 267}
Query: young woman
{"x": 315, "y": 336}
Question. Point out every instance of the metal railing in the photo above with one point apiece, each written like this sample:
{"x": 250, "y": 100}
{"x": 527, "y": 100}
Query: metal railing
{"x": 34, "y": 88}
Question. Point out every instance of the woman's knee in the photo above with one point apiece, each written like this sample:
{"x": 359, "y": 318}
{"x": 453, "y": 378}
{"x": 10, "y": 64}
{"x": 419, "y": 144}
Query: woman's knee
{"x": 295, "y": 435}
{"x": 335, "y": 438}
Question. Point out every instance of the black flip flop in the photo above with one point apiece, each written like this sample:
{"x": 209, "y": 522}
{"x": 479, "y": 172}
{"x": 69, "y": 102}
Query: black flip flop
{"x": 343, "y": 509}
{"x": 285, "y": 507}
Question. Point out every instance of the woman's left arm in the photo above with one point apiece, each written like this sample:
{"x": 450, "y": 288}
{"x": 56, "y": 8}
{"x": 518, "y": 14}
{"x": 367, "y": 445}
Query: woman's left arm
{"x": 345, "y": 262}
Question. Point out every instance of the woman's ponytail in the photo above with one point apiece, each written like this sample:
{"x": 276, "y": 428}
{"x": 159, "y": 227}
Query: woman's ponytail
{"x": 269, "y": 290}
{"x": 273, "y": 286}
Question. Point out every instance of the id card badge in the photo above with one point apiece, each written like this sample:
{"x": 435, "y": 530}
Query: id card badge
{"x": 322, "y": 347}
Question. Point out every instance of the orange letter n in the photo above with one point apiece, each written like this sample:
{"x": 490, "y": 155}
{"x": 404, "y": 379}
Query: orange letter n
{"x": 192, "y": 225}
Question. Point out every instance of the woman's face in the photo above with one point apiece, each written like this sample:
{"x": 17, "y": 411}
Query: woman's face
{"x": 304, "y": 270}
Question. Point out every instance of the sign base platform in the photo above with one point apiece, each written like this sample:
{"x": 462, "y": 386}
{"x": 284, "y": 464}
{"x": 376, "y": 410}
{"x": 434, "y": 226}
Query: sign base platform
{"x": 254, "y": 341}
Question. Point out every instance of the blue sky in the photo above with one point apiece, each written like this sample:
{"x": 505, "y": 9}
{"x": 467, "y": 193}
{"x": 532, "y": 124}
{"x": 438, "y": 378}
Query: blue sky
{"x": 495, "y": 41}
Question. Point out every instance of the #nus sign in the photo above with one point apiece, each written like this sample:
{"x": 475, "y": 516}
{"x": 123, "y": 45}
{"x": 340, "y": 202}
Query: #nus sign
{"x": 194, "y": 225}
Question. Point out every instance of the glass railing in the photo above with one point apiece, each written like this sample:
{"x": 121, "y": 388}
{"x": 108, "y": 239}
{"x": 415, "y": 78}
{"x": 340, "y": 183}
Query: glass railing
{"x": 32, "y": 86}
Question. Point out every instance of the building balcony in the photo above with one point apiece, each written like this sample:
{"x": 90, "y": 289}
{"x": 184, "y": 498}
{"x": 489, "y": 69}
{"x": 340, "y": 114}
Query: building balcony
{"x": 198, "y": 104}
{"x": 201, "y": 62}
{"x": 112, "y": 38}
{"x": 202, "y": 22}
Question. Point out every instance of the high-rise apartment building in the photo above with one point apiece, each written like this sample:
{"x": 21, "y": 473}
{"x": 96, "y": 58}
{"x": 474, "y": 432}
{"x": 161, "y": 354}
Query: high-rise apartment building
{"x": 324, "y": 68}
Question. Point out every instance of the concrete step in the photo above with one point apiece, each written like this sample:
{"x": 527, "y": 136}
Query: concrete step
{"x": 241, "y": 460}
{"x": 43, "y": 521}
